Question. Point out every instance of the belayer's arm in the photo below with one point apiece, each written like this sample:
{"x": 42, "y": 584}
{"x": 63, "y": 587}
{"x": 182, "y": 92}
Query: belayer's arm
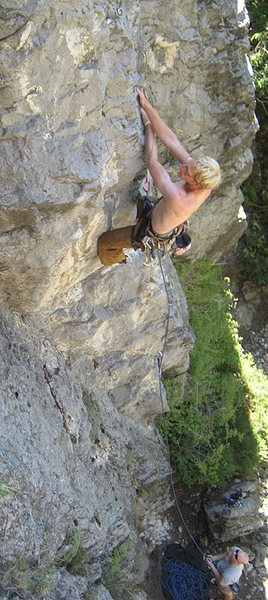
{"x": 214, "y": 570}
{"x": 219, "y": 556}
{"x": 163, "y": 132}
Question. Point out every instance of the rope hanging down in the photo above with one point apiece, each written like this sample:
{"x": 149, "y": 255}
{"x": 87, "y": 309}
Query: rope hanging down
{"x": 182, "y": 581}
{"x": 160, "y": 360}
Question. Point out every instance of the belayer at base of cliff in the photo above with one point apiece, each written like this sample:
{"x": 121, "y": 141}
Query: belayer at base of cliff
{"x": 163, "y": 221}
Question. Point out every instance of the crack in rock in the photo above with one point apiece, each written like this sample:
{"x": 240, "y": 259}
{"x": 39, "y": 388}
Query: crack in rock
{"x": 65, "y": 418}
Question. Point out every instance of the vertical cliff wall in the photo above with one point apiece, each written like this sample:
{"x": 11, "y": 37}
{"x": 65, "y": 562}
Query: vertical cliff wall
{"x": 71, "y": 137}
{"x": 80, "y": 342}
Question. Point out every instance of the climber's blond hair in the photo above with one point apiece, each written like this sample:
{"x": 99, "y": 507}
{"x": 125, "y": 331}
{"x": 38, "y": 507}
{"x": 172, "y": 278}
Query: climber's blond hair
{"x": 207, "y": 172}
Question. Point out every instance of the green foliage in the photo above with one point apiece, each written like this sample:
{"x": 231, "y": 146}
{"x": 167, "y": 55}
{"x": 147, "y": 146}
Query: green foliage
{"x": 258, "y": 12}
{"x": 73, "y": 544}
{"x": 28, "y": 580}
{"x": 114, "y": 578}
{"x": 209, "y": 425}
{"x": 3, "y": 491}
{"x": 6, "y": 488}
{"x": 128, "y": 463}
{"x": 93, "y": 413}
{"x": 31, "y": 580}
{"x": 78, "y": 564}
{"x": 75, "y": 558}
{"x": 254, "y": 259}
{"x": 255, "y": 255}
{"x": 254, "y": 243}
{"x": 90, "y": 595}
{"x": 256, "y": 401}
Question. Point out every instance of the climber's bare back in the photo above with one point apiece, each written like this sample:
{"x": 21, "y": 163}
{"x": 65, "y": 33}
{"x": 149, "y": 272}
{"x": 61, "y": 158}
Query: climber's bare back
{"x": 177, "y": 208}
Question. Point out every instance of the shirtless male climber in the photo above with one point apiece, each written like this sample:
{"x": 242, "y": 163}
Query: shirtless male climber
{"x": 179, "y": 200}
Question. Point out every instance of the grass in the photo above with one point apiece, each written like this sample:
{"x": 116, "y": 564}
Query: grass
{"x": 3, "y": 490}
{"x": 75, "y": 559}
{"x": 27, "y": 580}
{"x": 116, "y": 577}
{"x": 216, "y": 425}
{"x": 31, "y": 580}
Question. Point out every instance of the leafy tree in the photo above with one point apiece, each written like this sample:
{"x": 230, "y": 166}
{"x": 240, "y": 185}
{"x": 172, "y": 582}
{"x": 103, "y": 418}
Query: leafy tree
{"x": 216, "y": 424}
{"x": 254, "y": 245}
{"x": 258, "y": 35}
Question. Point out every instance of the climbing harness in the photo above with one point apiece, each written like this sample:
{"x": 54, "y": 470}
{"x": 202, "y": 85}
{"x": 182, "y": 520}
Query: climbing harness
{"x": 144, "y": 237}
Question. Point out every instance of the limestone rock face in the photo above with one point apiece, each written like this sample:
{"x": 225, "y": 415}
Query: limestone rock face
{"x": 71, "y": 464}
{"x": 71, "y": 138}
{"x": 114, "y": 334}
{"x": 80, "y": 343}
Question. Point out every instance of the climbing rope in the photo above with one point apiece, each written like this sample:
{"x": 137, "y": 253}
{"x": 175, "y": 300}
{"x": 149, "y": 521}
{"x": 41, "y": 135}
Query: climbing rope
{"x": 184, "y": 582}
{"x": 147, "y": 189}
{"x": 150, "y": 255}
{"x": 160, "y": 360}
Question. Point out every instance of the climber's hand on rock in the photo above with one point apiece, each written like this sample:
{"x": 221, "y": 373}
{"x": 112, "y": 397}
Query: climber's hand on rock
{"x": 142, "y": 98}
{"x": 144, "y": 116}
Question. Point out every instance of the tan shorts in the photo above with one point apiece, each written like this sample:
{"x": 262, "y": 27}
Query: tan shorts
{"x": 225, "y": 589}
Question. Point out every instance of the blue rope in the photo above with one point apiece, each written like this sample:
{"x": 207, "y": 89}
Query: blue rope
{"x": 185, "y": 582}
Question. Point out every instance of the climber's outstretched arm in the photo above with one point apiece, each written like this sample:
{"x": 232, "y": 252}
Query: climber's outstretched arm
{"x": 159, "y": 174}
{"x": 163, "y": 132}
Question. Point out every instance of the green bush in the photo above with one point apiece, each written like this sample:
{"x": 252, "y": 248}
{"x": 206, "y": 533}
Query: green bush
{"x": 254, "y": 259}
{"x": 258, "y": 35}
{"x": 116, "y": 577}
{"x": 210, "y": 429}
{"x": 26, "y": 580}
{"x": 254, "y": 243}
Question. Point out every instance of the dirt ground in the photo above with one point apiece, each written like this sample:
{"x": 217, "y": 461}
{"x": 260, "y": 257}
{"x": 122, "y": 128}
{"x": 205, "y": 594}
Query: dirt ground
{"x": 254, "y": 581}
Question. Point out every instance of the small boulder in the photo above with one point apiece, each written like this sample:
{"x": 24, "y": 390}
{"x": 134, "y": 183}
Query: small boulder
{"x": 234, "y": 511}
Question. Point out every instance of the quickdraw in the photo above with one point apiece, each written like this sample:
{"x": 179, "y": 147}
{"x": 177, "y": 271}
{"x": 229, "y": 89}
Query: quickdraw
{"x": 152, "y": 244}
